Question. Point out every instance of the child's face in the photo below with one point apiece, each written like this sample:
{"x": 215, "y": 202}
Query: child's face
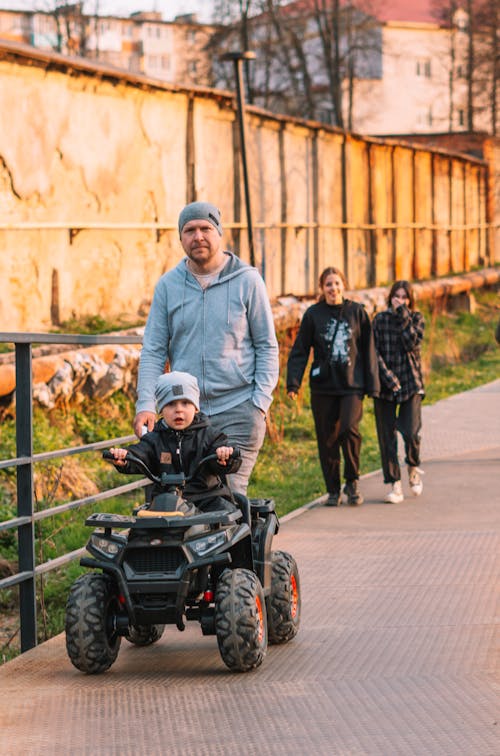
{"x": 179, "y": 414}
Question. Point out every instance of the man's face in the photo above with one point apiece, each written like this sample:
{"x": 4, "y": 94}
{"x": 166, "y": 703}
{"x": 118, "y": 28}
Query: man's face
{"x": 202, "y": 244}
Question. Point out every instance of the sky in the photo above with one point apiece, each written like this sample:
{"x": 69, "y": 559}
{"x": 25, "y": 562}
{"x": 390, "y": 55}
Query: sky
{"x": 168, "y": 8}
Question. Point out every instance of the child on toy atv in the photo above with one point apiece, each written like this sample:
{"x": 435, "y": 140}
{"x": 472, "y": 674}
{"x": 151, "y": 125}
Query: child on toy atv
{"x": 179, "y": 440}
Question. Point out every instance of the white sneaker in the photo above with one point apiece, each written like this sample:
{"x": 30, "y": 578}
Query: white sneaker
{"x": 415, "y": 481}
{"x": 395, "y": 495}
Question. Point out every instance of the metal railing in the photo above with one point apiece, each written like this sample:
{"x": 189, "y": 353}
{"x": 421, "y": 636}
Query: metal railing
{"x": 24, "y": 462}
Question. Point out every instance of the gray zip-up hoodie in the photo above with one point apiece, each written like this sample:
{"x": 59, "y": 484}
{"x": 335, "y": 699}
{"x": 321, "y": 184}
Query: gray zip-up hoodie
{"x": 224, "y": 335}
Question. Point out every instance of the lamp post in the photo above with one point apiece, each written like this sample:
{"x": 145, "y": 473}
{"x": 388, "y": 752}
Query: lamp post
{"x": 237, "y": 57}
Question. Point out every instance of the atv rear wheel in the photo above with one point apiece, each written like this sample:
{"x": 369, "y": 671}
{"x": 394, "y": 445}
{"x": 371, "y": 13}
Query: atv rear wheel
{"x": 144, "y": 635}
{"x": 91, "y": 640}
{"x": 283, "y": 603}
{"x": 240, "y": 620}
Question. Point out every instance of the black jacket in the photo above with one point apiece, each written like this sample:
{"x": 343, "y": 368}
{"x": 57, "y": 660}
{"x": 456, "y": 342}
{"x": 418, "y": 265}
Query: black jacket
{"x": 352, "y": 356}
{"x": 170, "y": 451}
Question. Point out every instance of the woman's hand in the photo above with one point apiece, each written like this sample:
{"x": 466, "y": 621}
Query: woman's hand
{"x": 398, "y": 302}
{"x": 292, "y": 395}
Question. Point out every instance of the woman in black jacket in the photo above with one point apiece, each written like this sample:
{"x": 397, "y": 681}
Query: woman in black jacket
{"x": 344, "y": 369}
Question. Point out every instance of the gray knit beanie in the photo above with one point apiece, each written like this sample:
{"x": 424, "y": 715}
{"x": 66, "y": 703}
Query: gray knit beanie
{"x": 176, "y": 385}
{"x": 200, "y": 211}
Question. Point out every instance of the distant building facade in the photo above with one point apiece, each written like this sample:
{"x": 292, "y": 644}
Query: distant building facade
{"x": 394, "y": 68}
{"x": 172, "y": 51}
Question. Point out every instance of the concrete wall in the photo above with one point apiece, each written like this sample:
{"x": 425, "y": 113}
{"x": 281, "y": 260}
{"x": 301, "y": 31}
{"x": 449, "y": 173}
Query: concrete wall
{"x": 95, "y": 166}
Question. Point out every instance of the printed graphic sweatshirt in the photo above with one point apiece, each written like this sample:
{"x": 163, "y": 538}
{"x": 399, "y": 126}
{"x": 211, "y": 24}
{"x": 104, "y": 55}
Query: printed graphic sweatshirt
{"x": 352, "y": 359}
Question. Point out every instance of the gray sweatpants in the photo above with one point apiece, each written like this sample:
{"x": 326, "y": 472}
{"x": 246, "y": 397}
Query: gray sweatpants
{"x": 245, "y": 427}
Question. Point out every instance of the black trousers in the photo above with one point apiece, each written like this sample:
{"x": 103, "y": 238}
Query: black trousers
{"x": 336, "y": 419}
{"x": 405, "y": 417}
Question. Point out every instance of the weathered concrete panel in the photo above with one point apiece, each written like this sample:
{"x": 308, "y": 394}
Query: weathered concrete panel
{"x": 331, "y": 245}
{"x": 423, "y": 214}
{"x": 404, "y": 204}
{"x": 358, "y": 212}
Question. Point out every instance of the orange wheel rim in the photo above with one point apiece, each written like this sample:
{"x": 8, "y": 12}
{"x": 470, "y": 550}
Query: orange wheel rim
{"x": 294, "y": 597}
{"x": 260, "y": 619}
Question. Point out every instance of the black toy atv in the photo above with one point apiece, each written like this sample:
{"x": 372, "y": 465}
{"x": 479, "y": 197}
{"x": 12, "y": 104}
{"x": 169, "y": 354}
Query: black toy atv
{"x": 176, "y": 563}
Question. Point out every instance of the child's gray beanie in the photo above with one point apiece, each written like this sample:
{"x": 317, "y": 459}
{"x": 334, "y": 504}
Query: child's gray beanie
{"x": 176, "y": 385}
{"x": 200, "y": 211}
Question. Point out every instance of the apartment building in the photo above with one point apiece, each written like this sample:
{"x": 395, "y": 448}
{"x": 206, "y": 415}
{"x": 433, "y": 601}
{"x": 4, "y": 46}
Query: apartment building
{"x": 172, "y": 51}
{"x": 420, "y": 89}
{"x": 397, "y": 68}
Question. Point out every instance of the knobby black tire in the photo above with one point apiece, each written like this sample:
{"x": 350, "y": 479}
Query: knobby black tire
{"x": 91, "y": 642}
{"x": 284, "y": 602}
{"x": 240, "y": 620}
{"x": 144, "y": 635}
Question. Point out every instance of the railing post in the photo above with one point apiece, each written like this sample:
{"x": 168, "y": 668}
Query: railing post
{"x": 26, "y": 533}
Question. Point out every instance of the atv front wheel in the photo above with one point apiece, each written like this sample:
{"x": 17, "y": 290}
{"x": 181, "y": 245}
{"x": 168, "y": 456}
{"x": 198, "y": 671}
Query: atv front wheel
{"x": 144, "y": 635}
{"x": 283, "y": 603}
{"x": 91, "y": 640}
{"x": 240, "y": 620}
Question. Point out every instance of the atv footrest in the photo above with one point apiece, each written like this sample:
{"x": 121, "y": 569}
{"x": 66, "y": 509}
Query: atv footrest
{"x": 262, "y": 505}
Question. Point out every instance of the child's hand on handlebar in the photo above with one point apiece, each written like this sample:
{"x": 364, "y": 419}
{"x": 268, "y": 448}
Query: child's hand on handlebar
{"x": 223, "y": 454}
{"x": 119, "y": 455}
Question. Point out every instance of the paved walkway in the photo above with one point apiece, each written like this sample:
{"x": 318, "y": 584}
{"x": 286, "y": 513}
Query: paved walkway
{"x": 398, "y": 651}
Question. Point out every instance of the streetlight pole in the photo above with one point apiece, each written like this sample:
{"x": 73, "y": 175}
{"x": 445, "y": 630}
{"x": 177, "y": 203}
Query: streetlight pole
{"x": 237, "y": 58}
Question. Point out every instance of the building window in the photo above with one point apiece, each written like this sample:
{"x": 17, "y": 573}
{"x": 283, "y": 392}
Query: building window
{"x": 461, "y": 118}
{"x": 424, "y": 68}
{"x": 424, "y": 118}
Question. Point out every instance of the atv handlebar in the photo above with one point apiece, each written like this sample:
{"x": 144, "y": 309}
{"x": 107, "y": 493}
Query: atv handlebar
{"x": 156, "y": 478}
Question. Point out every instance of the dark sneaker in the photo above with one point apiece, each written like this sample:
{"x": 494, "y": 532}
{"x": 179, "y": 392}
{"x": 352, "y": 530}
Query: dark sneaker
{"x": 354, "y": 495}
{"x": 333, "y": 499}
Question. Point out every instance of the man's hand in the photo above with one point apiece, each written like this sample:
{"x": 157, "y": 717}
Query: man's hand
{"x": 142, "y": 419}
{"x": 292, "y": 395}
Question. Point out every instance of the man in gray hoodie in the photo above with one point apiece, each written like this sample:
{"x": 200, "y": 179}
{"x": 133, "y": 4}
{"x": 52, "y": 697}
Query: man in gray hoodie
{"x": 211, "y": 317}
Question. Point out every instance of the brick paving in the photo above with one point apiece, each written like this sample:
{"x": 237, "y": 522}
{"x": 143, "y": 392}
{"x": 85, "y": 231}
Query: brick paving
{"x": 398, "y": 650}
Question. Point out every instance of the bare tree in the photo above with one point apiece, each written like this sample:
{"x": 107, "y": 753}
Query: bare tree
{"x": 309, "y": 53}
{"x": 473, "y": 60}
{"x": 487, "y": 61}
{"x": 71, "y": 24}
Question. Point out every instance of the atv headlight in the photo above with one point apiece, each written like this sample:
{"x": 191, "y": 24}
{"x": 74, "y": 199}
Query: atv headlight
{"x": 105, "y": 546}
{"x": 203, "y": 546}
